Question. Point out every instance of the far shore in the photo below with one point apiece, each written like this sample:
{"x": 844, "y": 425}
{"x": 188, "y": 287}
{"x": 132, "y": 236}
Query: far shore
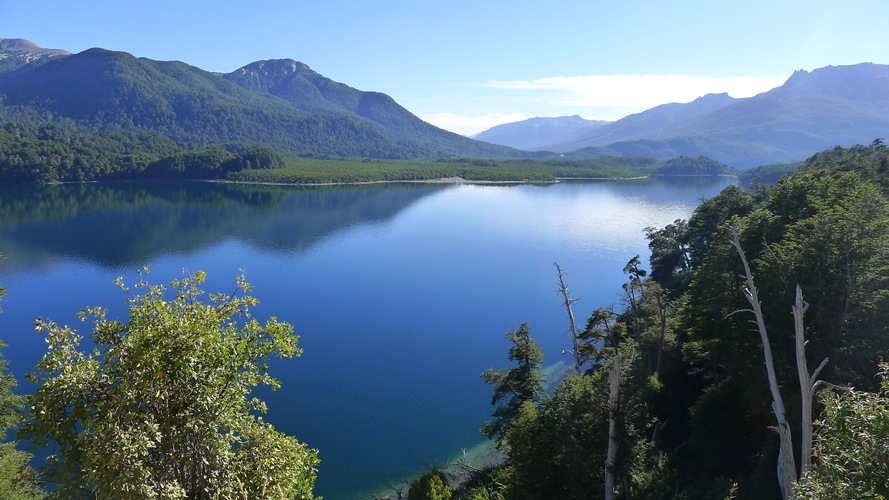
{"x": 441, "y": 180}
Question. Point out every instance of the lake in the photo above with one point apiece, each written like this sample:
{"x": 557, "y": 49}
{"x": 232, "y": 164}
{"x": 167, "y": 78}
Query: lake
{"x": 402, "y": 294}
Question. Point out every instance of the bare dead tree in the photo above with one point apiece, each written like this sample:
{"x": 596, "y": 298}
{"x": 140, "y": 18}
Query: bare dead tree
{"x": 808, "y": 384}
{"x": 568, "y": 303}
{"x": 786, "y": 464}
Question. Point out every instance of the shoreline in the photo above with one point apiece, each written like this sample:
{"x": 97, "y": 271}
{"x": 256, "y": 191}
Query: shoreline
{"x": 440, "y": 180}
{"x": 458, "y": 469}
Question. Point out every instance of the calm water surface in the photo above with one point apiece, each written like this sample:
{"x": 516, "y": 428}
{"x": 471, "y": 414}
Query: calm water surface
{"x": 402, "y": 295}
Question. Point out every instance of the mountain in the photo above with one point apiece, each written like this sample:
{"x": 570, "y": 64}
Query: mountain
{"x": 16, "y": 52}
{"x": 647, "y": 124}
{"x": 811, "y": 111}
{"x": 280, "y": 103}
{"x": 536, "y": 132}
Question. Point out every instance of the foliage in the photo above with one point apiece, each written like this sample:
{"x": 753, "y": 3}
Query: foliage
{"x": 699, "y": 429}
{"x": 432, "y": 485}
{"x": 490, "y": 484}
{"x": 768, "y": 174}
{"x": 17, "y": 481}
{"x": 683, "y": 165}
{"x": 851, "y": 446}
{"x": 161, "y": 406}
{"x": 557, "y": 450}
{"x": 515, "y": 386}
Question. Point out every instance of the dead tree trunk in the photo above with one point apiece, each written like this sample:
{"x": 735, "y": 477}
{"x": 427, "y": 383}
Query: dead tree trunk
{"x": 568, "y": 303}
{"x": 807, "y": 383}
{"x": 786, "y": 464}
{"x": 613, "y": 405}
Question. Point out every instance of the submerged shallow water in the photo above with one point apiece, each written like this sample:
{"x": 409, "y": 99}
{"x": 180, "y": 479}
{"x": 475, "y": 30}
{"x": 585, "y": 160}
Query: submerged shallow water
{"x": 402, "y": 294}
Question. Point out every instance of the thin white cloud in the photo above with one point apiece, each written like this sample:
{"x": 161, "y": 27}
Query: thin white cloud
{"x": 636, "y": 91}
{"x": 470, "y": 125}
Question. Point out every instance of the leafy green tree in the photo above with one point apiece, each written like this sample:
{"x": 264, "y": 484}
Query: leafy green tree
{"x": 514, "y": 386}
{"x": 430, "y": 486}
{"x": 557, "y": 450}
{"x": 851, "y": 446}
{"x": 17, "y": 481}
{"x": 161, "y": 407}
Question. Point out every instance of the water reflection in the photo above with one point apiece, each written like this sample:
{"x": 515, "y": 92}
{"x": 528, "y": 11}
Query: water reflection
{"x": 130, "y": 224}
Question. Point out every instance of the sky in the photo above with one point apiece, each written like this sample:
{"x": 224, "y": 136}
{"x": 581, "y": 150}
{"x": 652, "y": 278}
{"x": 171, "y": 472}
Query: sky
{"x": 466, "y": 65}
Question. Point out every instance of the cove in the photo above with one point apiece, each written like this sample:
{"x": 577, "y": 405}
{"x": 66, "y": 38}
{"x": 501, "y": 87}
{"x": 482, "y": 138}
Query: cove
{"x": 401, "y": 294}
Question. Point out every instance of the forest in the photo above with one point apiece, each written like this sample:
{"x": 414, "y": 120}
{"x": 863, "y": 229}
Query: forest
{"x": 754, "y": 343}
{"x": 745, "y": 361}
{"x": 54, "y": 153}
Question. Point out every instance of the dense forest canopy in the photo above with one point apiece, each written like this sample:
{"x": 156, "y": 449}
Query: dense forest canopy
{"x": 693, "y": 411}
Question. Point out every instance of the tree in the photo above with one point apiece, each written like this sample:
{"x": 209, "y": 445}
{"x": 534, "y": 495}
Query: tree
{"x": 17, "y": 481}
{"x": 516, "y": 385}
{"x": 430, "y": 486}
{"x": 786, "y": 465}
{"x": 634, "y": 290}
{"x": 568, "y": 303}
{"x": 161, "y": 406}
{"x": 851, "y": 446}
{"x": 604, "y": 339}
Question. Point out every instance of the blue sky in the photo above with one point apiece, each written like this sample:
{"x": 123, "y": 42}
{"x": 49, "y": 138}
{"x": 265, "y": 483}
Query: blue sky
{"x": 468, "y": 65}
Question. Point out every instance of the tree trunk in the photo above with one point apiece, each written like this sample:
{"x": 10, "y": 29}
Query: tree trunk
{"x": 786, "y": 464}
{"x": 568, "y": 303}
{"x": 807, "y": 383}
{"x": 613, "y": 404}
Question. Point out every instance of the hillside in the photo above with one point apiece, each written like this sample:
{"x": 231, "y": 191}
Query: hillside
{"x": 16, "y": 52}
{"x": 835, "y": 105}
{"x": 534, "y": 133}
{"x": 281, "y": 103}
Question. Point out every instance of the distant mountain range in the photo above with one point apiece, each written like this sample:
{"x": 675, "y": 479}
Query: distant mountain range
{"x": 281, "y": 103}
{"x": 535, "y": 133}
{"x": 812, "y": 111}
{"x": 284, "y": 104}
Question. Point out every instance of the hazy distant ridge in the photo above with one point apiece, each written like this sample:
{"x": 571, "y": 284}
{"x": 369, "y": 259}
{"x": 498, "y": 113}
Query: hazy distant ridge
{"x": 811, "y": 111}
{"x": 536, "y": 132}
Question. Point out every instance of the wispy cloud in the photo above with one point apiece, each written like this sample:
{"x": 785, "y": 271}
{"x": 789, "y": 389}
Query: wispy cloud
{"x": 636, "y": 91}
{"x": 469, "y": 125}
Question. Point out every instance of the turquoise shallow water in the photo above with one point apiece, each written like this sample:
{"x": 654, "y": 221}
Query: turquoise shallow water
{"x": 402, "y": 295}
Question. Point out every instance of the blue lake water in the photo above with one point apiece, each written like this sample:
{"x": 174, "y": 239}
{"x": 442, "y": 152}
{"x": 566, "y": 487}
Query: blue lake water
{"x": 401, "y": 294}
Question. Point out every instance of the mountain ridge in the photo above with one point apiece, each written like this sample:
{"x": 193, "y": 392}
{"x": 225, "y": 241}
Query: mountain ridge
{"x": 538, "y": 131}
{"x": 812, "y": 111}
{"x": 282, "y": 103}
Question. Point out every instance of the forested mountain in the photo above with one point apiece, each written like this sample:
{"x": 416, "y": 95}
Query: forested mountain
{"x": 536, "y": 132}
{"x": 282, "y": 104}
{"x": 835, "y": 105}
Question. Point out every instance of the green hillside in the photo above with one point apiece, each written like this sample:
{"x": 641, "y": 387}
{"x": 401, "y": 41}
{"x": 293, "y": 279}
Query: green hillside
{"x": 98, "y": 91}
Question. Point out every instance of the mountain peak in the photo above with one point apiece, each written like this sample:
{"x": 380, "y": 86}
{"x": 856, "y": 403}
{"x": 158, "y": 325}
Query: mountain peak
{"x": 22, "y": 46}
{"x": 274, "y": 68}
